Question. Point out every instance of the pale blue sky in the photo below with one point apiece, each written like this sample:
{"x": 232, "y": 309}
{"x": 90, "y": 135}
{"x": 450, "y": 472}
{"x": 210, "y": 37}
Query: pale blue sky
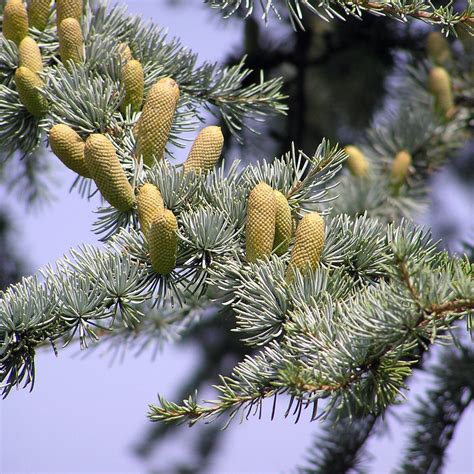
{"x": 83, "y": 415}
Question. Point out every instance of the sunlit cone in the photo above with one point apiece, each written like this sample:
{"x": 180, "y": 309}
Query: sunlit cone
{"x": 356, "y": 161}
{"x": 439, "y": 84}
{"x": 150, "y": 206}
{"x": 68, "y": 146}
{"x": 107, "y": 172}
{"x": 206, "y": 150}
{"x": 133, "y": 81}
{"x": 29, "y": 54}
{"x": 27, "y": 84}
{"x": 309, "y": 244}
{"x": 163, "y": 242}
{"x": 400, "y": 167}
{"x": 437, "y": 47}
{"x": 125, "y": 52}
{"x": 15, "y": 21}
{"x": 68, "y": 9}
{"x": 38, "y": 13}
{"x": 154, "y": 125}
{"x": 261, "y": 220}
{"x": 283, "y": 225}
{"x": 71, "y": 42}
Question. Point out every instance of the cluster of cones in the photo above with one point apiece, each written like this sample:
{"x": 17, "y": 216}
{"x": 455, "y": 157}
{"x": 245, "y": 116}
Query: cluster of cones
{"x": 16, "y": 22}
{"x": 269, "y": 228}
{"x": 96, "y": 158}
{"x": 440, "y": 86}
{"x": 269, "y": 222}
{"x": 359, "y": 166}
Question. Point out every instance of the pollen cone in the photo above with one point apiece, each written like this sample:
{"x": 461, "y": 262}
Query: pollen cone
{"x": 400, "y": 167}
{"x": 15, "y": 21}
{"x": 107, "y": 172}
{"x": 356, "y": 161}
{"x": 154, "y": 125}
{"x": 71, "y": 42}
{"x": 29, "y": 54}
{"x": 133, "y": 81}
{"x": 163, "y": 242}
{"x": 38, "y": 13}
{"x": 309, "y": 244}
{"x": 68, "y": 9}
{"x": 27, "y": 84}
{"x": 284, "y": 224}
{"x": 437, "y": 47}
{"x": 68, "y": 146}
{"x": 206, "y": 150}
{"x": 439, "y": 84}
{"x": 261, "y": 220}
{"x": 150, "y": 206}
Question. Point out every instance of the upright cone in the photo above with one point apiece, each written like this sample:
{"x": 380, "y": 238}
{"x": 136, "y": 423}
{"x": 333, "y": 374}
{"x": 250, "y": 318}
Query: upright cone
{"x": 439, "y": 84}
{"x": 71, "y": 42}
{"x": 309, "y": 244}
{"x": 27, "y": 84}
{"x": 283, "y": 224}
{"x": 134, "y": 82}
{"x": 29, "y": 54}
{"x": 163, "y": 242}
{"x": 68, "y": 146}
{"x": 15, "y": 21}
{"x": 356, "y": 161}
{"x": 261, "y": 220}
{"x": 107, "y": 172}
{"x": 206, "y": 150}
{"x": 150, "y": 206}
{"x": 68, "y": 9}
{"x": 154, "y": 125}
{"x": 38, "y": 13}
{"x": 400, "y": 167}
{"x": 437, "y": 47}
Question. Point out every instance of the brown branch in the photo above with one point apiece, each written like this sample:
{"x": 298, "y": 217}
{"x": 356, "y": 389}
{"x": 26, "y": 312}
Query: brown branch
{"x": 427, "y": 16}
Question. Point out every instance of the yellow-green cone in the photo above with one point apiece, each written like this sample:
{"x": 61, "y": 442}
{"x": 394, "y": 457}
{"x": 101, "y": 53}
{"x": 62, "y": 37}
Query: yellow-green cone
{"x": 68, "y": 9}
{"x": 133, "y": 81}
{"x": 309, "y": 244}
{"x": 27, "y": 84}
{"x": 68, "y": 146}
{"x": 150, "y": 206}
{"x": 356, "y": 161}
{"x": 206, "y": 150}
{"x": 38, "y": 13}
{"x": 155, "y": 121}
{"x": 400, "y": 167}
{"x": 29, "y": 54}
{"x": 71, "y": 42}
{"x": 163, "y": 242}
{"x": 15, "y": 21}
{"x": 283, "y": 224}
{"x": 437, "y": 47}
{"x": 261, "y": 220}
{"x": 125, "y": 52}
{"x": 439, "y": 84}
{"x": 107, "y": 172}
